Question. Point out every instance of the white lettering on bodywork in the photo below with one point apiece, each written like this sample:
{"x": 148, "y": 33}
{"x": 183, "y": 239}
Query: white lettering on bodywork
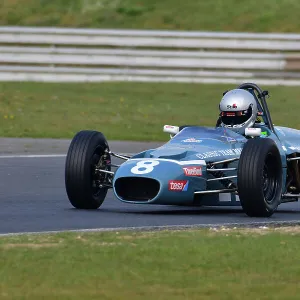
{"x": 227, "y": 152}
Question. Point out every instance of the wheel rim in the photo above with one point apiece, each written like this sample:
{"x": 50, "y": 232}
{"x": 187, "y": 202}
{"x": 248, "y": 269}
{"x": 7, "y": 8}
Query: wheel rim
{"x": 98, "y": 161}
{"x": 270, "y": 179}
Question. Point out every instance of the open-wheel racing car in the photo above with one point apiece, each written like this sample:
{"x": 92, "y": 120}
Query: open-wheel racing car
{"x": 200, "y": 166}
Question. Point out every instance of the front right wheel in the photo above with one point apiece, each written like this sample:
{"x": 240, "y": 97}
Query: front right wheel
{"x": 259, "y": 177}
{"x": 86, "y": 187}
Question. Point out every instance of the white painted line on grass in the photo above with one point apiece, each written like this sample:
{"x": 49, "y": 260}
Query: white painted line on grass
{"x": 32, "y": 155}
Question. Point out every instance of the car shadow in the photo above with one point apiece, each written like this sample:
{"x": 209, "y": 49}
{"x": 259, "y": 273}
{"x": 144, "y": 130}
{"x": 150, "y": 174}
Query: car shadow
{"x": 214, "y": 212}
{"x": 163, "y": 210}
{"x": 185, "y": 211}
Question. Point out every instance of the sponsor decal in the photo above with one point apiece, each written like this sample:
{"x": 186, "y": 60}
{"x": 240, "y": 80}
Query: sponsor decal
{"x": 227, "y": 152}
{"x": 193, "y": 171}
{"x": 178, "y": 185}
{"x": 252, "y": 129}
{"x": 228, "y": 114}
{"x": 229, "y": 139}
{"x": 232, "y": 106}
{"x": 192, "y": 140}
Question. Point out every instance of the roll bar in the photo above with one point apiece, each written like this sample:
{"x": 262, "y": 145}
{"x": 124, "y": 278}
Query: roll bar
{"x": 261, "y": 95}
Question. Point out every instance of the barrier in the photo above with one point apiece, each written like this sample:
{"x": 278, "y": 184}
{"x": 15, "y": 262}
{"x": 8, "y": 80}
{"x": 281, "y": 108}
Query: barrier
{"x": 80, "y": 55}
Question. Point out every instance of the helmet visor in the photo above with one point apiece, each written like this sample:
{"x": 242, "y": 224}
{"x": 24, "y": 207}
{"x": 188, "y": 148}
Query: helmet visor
{"x": 236, "y": 117}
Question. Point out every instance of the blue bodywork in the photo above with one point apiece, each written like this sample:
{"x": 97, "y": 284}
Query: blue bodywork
{"x": 196, "y": 148}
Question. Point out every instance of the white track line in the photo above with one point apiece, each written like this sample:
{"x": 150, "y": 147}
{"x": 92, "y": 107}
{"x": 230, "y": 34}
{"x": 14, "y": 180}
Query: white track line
{"x": 43, "y": 155}
{"x": 257, "y": 224}
{"x": 32, "y": 155}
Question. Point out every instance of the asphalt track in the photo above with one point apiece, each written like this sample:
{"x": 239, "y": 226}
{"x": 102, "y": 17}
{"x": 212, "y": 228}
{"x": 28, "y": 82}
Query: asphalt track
{"x": 33, "y": 198}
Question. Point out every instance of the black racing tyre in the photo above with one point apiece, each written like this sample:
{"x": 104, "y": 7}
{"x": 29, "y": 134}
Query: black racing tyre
{"x": 87, "y": 150}
{"x": 259, "y": 177}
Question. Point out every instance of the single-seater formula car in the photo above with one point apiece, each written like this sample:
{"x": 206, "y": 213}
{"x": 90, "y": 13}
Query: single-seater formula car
{"x": 200, "y": 166}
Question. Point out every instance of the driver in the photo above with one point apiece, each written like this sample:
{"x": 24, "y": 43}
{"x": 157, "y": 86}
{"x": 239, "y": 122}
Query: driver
{"x": 238, "y": 109}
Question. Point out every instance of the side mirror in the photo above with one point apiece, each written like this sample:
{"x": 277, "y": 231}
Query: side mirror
{"x": 173, "y": 130}
{"x": 253, "y": 132}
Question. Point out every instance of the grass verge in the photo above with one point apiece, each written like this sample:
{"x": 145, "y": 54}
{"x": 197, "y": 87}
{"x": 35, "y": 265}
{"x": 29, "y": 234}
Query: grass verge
{"x": 203, "y": 264}
{"x": 122, "y": 111}
{"x": 229, "y": 15}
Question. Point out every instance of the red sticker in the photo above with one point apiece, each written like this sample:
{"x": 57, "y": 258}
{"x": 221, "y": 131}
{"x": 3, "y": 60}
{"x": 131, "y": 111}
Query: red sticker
{"x": 178, "y": 185}
{"x": 192, "y": 171}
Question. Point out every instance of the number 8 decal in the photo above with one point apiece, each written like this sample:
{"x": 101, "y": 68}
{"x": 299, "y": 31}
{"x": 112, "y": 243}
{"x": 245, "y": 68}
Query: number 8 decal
{"x": 144, "y": 167}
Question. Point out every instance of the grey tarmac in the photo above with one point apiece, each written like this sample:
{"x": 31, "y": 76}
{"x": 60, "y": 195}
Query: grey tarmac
{"x": 10, "y": 146}
{"x": 33, "y": 197}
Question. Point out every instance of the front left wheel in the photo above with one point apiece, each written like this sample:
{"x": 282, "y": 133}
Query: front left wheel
{"x": 259, "y": 177}
{"x": 86, "y": 187}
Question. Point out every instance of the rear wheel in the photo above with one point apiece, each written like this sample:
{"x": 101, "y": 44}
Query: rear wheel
{"x": 86, "y": 187}
{"x": 259, "y": 177}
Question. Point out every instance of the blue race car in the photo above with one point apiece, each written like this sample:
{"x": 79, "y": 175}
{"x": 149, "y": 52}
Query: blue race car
{"x": 244, "y": 161}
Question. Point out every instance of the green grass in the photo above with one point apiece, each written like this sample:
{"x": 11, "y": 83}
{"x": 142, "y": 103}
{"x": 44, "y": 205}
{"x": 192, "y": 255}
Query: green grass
{"x": 122, "y": 111}
{"x": 220, "y": 15}
{"x": 203, "y": 264}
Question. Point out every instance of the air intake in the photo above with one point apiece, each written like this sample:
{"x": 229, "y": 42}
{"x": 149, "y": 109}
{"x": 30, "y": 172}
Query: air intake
{"x": 136, "y": 188}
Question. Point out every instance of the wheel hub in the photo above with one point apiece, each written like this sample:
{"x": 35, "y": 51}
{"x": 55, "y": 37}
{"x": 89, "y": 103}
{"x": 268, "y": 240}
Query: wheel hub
{"x": 269, "y": 182}
{"x": 100, "y": 160}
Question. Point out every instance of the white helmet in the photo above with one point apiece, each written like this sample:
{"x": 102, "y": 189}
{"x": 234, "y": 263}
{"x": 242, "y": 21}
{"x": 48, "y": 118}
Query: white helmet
{"x": 238, "y": 110}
